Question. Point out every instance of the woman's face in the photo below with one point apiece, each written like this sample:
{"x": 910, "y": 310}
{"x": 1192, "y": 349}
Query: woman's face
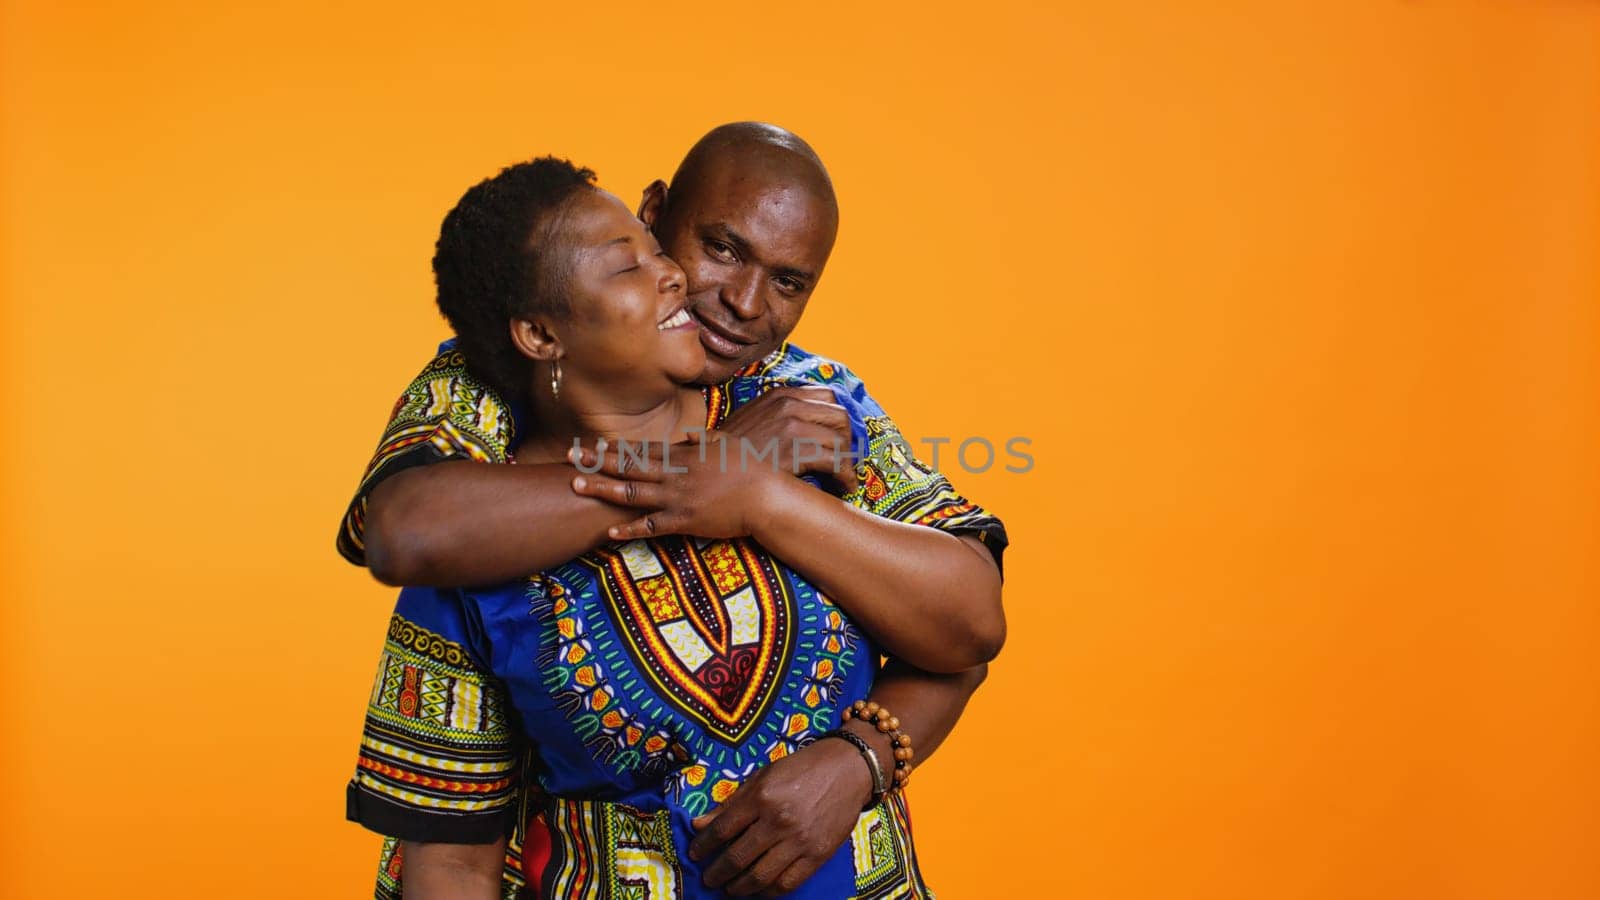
{"x": 629, "y": 335}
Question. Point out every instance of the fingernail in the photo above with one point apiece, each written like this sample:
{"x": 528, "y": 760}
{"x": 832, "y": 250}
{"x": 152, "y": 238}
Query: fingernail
{"x": 579, "y": 483}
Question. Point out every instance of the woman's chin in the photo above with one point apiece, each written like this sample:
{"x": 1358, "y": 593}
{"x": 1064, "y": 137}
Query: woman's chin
{"x": 688, "y": 358}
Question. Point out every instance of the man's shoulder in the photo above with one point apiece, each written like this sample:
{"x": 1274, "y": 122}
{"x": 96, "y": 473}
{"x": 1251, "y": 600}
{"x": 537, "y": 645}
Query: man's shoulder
{"x": 794, "y": 364}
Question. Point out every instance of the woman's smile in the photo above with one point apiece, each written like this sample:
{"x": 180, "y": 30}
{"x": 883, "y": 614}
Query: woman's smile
{"x": 679, "y": 319}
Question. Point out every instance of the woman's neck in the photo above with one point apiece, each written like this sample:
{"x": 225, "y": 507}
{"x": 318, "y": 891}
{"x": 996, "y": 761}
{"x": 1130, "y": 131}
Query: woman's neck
{"x": 556, "y": 423}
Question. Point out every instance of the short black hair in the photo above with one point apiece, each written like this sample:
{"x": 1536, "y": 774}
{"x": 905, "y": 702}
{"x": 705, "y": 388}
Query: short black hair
{"x": 496, "y": 261}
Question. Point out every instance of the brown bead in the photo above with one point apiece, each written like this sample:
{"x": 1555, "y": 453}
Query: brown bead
{"x": 883, "y": 726}
{"x": 859, "y": 704}
{"x": 902, "y": 753}
{"x": 872, "y": 708}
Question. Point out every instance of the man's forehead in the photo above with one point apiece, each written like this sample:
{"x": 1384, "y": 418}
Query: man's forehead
{"x": 766, "y": 209}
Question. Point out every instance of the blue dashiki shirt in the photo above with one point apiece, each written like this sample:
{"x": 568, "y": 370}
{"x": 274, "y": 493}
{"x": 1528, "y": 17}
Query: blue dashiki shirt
{"x": 592, "y": 710}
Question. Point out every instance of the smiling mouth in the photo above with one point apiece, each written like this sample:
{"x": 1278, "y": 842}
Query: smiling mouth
{"x": 676, "y": 320}
{"x": 719, "y": 341}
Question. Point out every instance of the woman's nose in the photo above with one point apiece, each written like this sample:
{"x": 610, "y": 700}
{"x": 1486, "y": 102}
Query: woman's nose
{"x": 673, "y": 278}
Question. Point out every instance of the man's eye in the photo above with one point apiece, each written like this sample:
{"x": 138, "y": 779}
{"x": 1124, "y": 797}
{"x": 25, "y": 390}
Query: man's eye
{"x": 790, "y": 285}
{"x": 721, "y": 251}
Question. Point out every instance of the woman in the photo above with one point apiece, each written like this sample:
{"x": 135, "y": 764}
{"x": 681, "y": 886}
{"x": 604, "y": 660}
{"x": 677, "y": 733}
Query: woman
{"x": 650, "y": 677}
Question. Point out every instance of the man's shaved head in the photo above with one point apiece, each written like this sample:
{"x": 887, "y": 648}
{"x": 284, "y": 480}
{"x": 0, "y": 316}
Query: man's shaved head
{"x": 751, "y": 216}
{"x": 756, "y": 148}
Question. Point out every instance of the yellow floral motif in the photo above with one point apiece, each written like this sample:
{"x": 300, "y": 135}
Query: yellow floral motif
{"x": 660, "y": 597}
{"x": 725, "y": 569}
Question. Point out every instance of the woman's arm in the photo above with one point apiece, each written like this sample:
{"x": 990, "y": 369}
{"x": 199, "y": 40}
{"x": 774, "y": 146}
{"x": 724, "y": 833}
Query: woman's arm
{"x": 452, "y": 871}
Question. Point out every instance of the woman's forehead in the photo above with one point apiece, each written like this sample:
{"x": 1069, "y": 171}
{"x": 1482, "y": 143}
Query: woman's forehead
{"x": 598, "y": 219}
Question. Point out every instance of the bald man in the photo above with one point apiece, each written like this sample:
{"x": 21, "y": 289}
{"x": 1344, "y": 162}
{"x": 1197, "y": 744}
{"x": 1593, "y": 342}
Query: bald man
{"x": 751, "y": 217}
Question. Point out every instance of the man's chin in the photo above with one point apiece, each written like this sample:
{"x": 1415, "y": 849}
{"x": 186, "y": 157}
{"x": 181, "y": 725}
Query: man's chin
{"x": 718, "y": 370}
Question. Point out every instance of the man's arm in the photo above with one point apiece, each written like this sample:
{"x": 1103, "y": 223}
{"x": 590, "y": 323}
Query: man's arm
{"x": 444, "y": 525}
{"x": 927, "y": 596}
{"x": 453, "y": 871}
{"x": 791, "y": 816}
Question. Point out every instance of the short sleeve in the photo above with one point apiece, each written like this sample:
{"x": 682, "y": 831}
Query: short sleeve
{"x": 895, "y": 484}
{"x": 440, "y": 758}
{"x": 445, "y": 413}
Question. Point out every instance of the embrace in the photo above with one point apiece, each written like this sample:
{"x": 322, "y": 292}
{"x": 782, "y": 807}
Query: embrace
{"x": 718, "y": 677}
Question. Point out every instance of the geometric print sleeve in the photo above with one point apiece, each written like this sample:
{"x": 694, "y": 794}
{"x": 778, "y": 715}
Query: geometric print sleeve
{"x": 439, "y": 760}
{"x": 896, "y": 485}
{"x": 445, "y": 413}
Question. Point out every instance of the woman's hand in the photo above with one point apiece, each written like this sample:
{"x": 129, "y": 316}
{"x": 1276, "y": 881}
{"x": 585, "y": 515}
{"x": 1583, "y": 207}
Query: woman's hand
{"x": 716, "y": 484}
{"x": 685, "y": 492}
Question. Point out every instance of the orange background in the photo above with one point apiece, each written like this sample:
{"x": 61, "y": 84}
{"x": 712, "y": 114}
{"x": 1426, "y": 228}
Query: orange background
{"x": 1297, "y": 302}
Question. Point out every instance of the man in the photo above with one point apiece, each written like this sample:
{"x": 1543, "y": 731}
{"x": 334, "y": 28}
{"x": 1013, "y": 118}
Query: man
{"x": 751, "y": 217}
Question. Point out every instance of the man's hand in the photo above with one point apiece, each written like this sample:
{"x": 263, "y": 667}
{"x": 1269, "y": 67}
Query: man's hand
{"x": 786, "y": 821}
{"x": 807, "y": 417}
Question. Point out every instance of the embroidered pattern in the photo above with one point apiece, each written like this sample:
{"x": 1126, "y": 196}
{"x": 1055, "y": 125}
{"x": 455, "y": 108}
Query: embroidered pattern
{"x": 885, "y": 863}
{"x": 641, "y": 650}
{"x": 610, "y": 851}
{"x": 434, "y": 737}
{"x": 711, "y": 623}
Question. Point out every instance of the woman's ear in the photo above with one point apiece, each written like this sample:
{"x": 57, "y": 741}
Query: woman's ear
{"x": 534, "y": 339}
{"x": 653, "y": 202}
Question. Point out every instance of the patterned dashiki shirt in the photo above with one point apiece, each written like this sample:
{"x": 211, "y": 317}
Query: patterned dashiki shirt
{"x": 590, "y": 711}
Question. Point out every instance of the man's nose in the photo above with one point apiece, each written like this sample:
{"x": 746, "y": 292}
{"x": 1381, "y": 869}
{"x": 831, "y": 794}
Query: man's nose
{"x": 743, "y": 296}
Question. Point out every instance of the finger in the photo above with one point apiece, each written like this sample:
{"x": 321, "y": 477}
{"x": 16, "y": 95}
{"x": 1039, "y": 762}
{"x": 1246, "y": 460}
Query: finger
{"x": 636, "y": 461}
{"x": 792, "y": 877}
{"x": 622, "y": 492}
{"x": 654, "y": 525}
{"x": 766, "y": 870}
{"x": 729, "y": 821}
{"x": 702, "y": 821}
{"x": 584, "y": 458}
{"x": 743, "y": 853}
{"x": 814, "y": 448}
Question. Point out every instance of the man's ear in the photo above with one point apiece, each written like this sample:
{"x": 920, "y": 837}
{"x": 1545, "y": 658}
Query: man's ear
{"x": 652, "y": 203}
{"x": 534, "y": 339}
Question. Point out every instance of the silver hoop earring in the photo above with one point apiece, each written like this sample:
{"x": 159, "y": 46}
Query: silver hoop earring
{"x": 555, "y": 380}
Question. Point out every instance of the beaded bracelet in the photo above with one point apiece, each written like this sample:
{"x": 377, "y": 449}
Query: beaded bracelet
{"x": 887, "y": 723}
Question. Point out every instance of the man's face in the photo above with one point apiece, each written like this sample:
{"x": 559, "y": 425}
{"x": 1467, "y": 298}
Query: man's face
{"x": 753, "y": 245}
